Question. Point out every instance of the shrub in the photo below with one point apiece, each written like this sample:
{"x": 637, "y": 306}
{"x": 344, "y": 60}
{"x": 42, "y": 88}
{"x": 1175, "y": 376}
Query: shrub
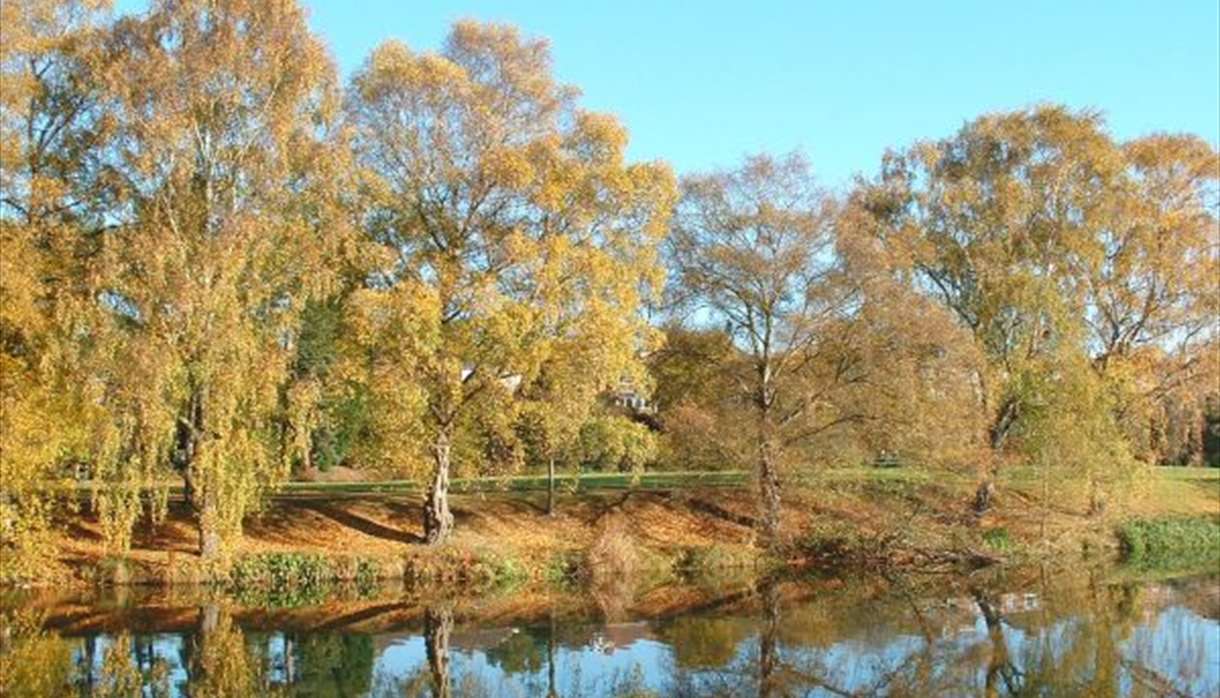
{"x": 1170, "y": 537}
{"x": 293, "y": 579}
{"x": 713, "y": 558}
{"x": 998, "y": 539}
{"x": 562, "y": 568}
{"x": 614, "y": 443}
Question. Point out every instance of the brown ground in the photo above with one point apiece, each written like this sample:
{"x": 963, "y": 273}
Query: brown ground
{"x": 874, "y": 514}
{"x": 386, "y": 528}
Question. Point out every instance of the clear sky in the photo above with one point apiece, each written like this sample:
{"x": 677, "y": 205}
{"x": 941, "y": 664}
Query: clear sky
{"x": 702, "y": 83}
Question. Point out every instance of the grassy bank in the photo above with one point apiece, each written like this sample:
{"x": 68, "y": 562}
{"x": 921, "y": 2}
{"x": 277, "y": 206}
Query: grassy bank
{"x": 879, "y": 518}
{"x": 1170, "y": 540}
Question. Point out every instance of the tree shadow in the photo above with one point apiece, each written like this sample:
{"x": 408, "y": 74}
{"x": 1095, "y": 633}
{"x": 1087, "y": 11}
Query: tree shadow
{"x": 716, "y": 511}
{"x": 362, "y": 524}
{"x": 176, "y": 533}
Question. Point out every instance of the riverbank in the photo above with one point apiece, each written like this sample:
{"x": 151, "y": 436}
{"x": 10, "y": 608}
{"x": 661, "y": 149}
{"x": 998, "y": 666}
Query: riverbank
{"x": 877, "y": 519}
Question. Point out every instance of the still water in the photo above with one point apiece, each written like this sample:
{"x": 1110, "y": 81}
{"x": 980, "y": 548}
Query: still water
{"x": 1097, "y": 632}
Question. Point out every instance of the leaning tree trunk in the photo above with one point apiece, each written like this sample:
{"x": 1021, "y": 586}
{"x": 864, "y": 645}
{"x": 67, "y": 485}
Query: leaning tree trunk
{"x": 997, "y": 435}
{"x": 438, "y": 520}
{"x": 999, "y": 665}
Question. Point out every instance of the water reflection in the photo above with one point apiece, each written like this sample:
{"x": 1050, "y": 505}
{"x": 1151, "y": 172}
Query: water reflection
{"x": 1029, "y": 634}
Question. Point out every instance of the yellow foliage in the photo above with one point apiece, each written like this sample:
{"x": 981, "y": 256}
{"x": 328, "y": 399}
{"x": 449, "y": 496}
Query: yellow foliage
{"x": 514, "y": 213}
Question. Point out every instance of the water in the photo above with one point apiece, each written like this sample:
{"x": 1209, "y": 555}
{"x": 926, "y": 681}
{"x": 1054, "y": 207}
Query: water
{"x": 1102, "y": 632}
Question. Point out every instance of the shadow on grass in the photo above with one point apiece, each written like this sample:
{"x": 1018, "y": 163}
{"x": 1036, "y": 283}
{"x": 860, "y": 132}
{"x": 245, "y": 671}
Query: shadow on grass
{"x": 362, "y": 524}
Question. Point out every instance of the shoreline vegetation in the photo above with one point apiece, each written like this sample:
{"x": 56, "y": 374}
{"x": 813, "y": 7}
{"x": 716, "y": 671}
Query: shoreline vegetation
{"x": 879, "y": 520}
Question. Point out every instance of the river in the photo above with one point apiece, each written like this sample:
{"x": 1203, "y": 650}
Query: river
{"x": 1101, "y": 631}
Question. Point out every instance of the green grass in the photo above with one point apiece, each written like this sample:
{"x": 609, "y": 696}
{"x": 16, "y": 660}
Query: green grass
{"x": 583, "y": 482}
{"x": 1170, "y": 537}
{"x": 1178, "y": 473}
{"x": 664, "y": 481}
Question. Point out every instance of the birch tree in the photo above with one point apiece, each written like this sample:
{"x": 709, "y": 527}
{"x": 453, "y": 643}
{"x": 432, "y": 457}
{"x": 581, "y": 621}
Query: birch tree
{"x": 754, "y": 249}
{"x": 512, "y": 223}
{"x": 227, "y": 167}
{"x": 52, "y": 120}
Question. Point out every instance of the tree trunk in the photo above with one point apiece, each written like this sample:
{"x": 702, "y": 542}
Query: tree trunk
{"x": 209, "y": 539}
{"x": 209, "y": 619}
{"x": 1004, "y": 421}
{"x": 200, "y": 499}
{"x": 984, "y": 494}
{"x": 997, "y": 435}
{"x": 204, "y": 508}
{"x": 437, "y": 626}
{"x": 1097, "y": 498}
{"x": 768, "y": 491}
{"x": 550, "y": 487}
{"x": 438, "y": 520}
{"x": 194, "y": 658}
{"x": 999, "y": 666}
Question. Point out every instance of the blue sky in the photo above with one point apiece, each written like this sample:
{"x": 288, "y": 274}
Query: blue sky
{"x": 701, "y": 84}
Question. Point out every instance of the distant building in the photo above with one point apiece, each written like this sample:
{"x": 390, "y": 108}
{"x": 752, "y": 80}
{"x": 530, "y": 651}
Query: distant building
{"x": 631, "y": 400}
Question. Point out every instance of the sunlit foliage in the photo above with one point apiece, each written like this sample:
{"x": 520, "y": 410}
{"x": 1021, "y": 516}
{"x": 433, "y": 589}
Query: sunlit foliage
{"x": 511, "y": 225}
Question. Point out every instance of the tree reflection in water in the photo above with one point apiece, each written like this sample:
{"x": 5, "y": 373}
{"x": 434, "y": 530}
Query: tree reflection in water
{"x": 438, "y": 624}
{"x": 782, "y": 638}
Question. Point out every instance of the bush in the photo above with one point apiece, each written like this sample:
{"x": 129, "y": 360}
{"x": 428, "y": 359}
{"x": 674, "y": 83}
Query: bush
{"x": 1170, "y": 537}
{"x": 562, "y": 568}
{"x": 293, "y": 579}
{"x": 498, "y": 570}
{"x": 614, "y": 443}
{"x": 998, "y": 539}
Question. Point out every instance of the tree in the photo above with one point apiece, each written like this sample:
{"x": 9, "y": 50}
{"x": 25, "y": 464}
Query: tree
{"x": 613, "y": 442}
{"x": 554, "y": 407}
{"x": 511, "y": 226}
{"x": 753, "y": 249}
{"x": 1053, "y": 245}
{"x": 995, "y": 222}
{"x": 694, "y": 374}
{"x": 51, "y": 120}
{"x": 1153, "y": 301}
{"x": 227, "y": 169}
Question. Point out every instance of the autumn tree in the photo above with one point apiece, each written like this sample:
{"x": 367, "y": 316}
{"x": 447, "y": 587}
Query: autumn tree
{"x": 753, "y": 249}
{"x": 1053, "y": 245}
{"x": 992, "y": 220}
{"x": 52, "y": 119}
{"x": 695, "y": 398}
{"x": 227, "y": 168}
{"x": 1152, "y": 296}
{"x": 557, "y": 405}
{"x": 919, "y": 367}
{"x": 511, "y": 222}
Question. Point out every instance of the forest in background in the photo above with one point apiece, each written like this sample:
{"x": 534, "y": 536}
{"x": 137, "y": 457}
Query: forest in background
{"x": 222, "y": 266}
